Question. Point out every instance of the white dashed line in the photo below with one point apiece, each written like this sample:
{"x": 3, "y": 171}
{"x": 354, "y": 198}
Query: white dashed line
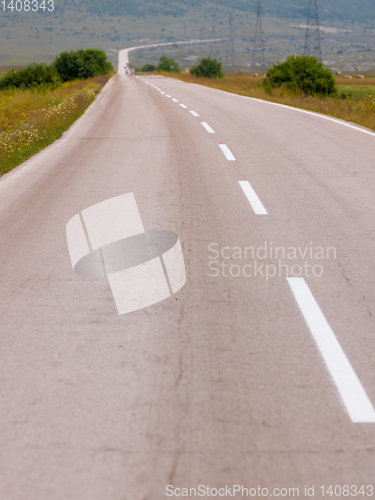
{"x": 167, "y": 95}
{"x": 227, "y": 152}
{"x": 194, "y": 113}
{"x": 253, "y": 198}
{"x": 162, "y": 92}
{"x": 175, "y": 100}
{"x": 353, "y": 395}
{"x": 183, "y": 106}
{"x": 208, "y": 128}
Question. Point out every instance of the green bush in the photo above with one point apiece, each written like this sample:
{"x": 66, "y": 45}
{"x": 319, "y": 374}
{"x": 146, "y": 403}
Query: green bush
{"x": 82, "y": 64}
{"x": 32, "y": 76}
{"x": 301, "y": 73}
{"x": 207, "y": 67}
{"x": 147, "y": 67}
{"x": 170, "y": 65}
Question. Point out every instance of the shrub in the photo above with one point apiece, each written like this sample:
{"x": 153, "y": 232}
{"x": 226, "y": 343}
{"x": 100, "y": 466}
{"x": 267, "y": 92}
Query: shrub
{"x": 147, "y": 67}
{"x": 82, "y": 64}
{"x": 170, "y": 65}
{"x": 303, "y": 73}
{"x": 207, "y": 67}
{"x": 32, "y": 76}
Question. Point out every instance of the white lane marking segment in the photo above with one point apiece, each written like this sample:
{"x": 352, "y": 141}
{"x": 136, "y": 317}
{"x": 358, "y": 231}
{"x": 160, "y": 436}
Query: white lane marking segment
{"x": 194, "y": 113}
{"x": 183, "y": 106}
{"x": 353, "y": 395}
{"x": 175, "y": 100}
{"x": 167, "y": 95}
{"x": 162, "y": 92}
{"x": 253, "y": 198}
{"x": 227, "y": 152}
{"x": 207, "y": 127}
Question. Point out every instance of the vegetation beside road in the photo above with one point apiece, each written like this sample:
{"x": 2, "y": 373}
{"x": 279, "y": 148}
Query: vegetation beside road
{"x": 301, "y": 74}
{"x": 32, "y": 119}
{"x": 352, "y": 102}
{"x": 68, "y": 66}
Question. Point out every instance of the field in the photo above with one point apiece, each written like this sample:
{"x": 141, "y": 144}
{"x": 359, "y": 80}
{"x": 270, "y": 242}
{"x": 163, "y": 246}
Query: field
{"x": 30, "y": 120}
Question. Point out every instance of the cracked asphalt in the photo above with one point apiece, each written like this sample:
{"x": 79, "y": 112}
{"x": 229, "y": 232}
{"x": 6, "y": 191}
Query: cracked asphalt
{"x": 222, "y": 383}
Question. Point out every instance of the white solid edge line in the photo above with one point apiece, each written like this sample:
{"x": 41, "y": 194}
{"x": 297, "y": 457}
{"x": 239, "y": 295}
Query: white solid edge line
{"x": 253, "y": 198}
{"x": 183, "y": 106}
{"x": 319, "y": 115}
{"x": 353, "y": 395}
{"x": 194, "y": 113}
{"x": 207, "y": 127}
{"x": 227, "y": 152}
{"x": 175, "y": 100}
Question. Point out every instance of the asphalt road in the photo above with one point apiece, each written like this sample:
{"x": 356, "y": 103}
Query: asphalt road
{"x": 236, "y": 379}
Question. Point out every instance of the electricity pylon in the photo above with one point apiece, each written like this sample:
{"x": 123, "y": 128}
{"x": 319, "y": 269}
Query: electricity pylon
{"x": 258, "y": 47}
{"x": 312, "y": 39}
{"x": 230, "y": 57}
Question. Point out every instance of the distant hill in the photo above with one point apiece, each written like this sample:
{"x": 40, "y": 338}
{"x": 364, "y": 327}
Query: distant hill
{"x": 329, "y": 10}
{"x": 347, "y": 38}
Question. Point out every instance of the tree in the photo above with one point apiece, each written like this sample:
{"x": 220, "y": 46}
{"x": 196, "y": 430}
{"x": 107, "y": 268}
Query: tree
{"x": 81, "y": 64}
{"x": 170, "y": 65}
{"x": 302, "y": 73}
{"x": 207, "y": 67}
{"x": 147, "y": 67}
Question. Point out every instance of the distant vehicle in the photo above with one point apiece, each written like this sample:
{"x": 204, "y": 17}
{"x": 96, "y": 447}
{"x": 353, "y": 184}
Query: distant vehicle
{"x": 127, "y": 72}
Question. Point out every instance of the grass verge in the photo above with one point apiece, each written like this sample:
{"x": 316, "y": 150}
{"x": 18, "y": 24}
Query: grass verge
{"x": 355, "y": 103}
{"x": 30, "y": 120}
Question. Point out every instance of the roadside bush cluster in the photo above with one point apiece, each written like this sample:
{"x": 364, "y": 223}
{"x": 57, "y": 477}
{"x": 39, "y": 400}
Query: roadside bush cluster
{"x": 168, "y": 64}
{"x": 146, "y": 68}
{"x": 302, "y": 73}
{"x": 68, "y": 66}
{"x": 208, "y": 68}
{"x": 34, "y": 75}
{"x": 82, "y": 64}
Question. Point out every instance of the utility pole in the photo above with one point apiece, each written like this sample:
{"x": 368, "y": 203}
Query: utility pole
{"x": 312, "y": 39}
{"x": 258, "y": 47}
{"x": 230, "y": 57}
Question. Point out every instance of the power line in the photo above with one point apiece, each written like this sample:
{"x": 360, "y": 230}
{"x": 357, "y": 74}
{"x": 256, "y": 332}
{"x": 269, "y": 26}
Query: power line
{"x": 312, "y": 39}
{"x": 258, "y": 47}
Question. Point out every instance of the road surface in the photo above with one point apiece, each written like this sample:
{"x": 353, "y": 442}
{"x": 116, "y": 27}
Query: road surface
{"x": 249, "y": 375}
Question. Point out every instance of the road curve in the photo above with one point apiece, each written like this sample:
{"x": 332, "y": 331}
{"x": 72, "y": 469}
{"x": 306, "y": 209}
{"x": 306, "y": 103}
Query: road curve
{"x": 249, "y": 375}
{"x": 123, "y": 55}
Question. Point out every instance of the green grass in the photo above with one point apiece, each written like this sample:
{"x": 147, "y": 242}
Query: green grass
{"x": 356, "y": 91}
{"x": 31, "y": 120}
